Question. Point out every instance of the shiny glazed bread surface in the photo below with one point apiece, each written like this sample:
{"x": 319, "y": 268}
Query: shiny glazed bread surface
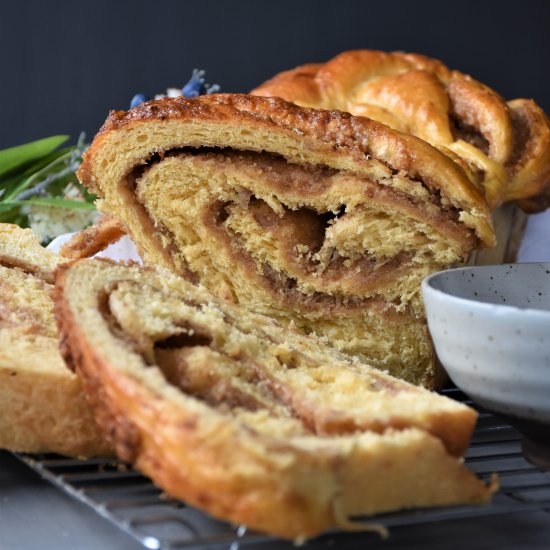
{"x": 504, "y": 146}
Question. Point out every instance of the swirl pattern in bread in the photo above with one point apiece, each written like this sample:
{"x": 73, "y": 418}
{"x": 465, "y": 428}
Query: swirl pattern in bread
{"x": 41, "y": 402}
{"x": 247, "y": 420}
{"x": 505, "y": 146}
{"x": 315, "y": 217}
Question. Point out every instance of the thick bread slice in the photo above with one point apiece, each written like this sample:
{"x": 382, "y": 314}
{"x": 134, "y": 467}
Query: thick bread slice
{"x": 43, "y": 407}
{"x": 314, "y": 217}
{"x": 252, "y": 422}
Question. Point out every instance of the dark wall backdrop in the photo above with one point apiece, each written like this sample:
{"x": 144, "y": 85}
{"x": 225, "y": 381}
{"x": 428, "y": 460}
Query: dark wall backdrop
{"x": 64, "y": 64}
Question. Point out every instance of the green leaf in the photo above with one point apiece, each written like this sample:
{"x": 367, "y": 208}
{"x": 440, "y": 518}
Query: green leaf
{"x": 88, "y": 197}
{"x": 17, "y": 157}
{"x": 10, "y": 182}
{"x": 8, "y": 207}
{"x": 51, "y": 201}
{"x": 11, "y": 214}
{"x": 36, "y": 176}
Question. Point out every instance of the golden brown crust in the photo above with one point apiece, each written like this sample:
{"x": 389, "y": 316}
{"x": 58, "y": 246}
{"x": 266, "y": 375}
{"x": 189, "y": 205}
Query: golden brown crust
{"x": 334, "y": 134}
{"x": 419, "y": 95}
{"x": 93, "y": 239}
{"x": 200, "y": 447}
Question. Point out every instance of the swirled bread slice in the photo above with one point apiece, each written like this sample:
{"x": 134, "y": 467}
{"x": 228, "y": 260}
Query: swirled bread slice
{"x": 317, "y": 218}
{"x": 252, "y": 422}
{"x": 505, "y": 146}
{"x": 41, "y": 402}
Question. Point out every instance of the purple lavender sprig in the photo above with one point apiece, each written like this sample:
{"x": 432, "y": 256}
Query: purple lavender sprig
{"x": 196, "y": 86}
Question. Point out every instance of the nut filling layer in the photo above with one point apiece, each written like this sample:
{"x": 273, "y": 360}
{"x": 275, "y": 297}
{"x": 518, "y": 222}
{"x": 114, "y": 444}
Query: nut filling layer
{"x": 308, "y": 235}
{"x": 257, "y": 375}
{"x": 247, "y": 420}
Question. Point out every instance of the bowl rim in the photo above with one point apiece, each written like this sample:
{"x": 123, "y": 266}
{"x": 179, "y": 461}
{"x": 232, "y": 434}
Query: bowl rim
{"x": 487, "y": 307}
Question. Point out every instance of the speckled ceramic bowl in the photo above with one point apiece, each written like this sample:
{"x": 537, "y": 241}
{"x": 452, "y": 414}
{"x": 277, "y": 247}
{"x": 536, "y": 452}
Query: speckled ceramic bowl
{"x": 491, "y": 330}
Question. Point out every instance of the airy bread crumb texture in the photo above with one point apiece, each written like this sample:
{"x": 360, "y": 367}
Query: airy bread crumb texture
{"x": 43, "y": 407}
{"x": 322, "y": 220}
{"x": 251, "y": 421}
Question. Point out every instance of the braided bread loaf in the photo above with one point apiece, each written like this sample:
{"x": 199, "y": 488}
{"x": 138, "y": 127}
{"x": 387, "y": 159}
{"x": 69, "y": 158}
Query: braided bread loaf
{"x": 251, "y": 422}
{"x": 317, "y": 218}
{"x": 42, "y": 406}
{"x": 504, "y": 146}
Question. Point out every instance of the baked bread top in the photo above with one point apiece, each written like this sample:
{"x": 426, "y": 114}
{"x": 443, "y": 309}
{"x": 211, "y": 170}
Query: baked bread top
{"x": 249, "y": 421}
{"x": 332, "y": 138}
{"x": 505, "y": 146}
{"x": 43, "y": 408}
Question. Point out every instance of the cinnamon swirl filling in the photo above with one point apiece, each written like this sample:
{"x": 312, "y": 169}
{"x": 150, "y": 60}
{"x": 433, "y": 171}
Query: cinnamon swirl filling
{"x": 308, "y": 235}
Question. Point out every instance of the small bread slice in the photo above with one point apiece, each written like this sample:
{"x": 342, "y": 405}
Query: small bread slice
{"x": 93, "y": 239}
{"x": 43, "y": 407}
{"x": 252, "y": 422}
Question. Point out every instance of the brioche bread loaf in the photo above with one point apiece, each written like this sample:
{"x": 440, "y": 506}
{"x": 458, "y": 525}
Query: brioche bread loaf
{"x": 41, "y": 402}
{"x": 251, "y": 422}
{"x": 314, "y": 217}
{"x": 504, "y": 146}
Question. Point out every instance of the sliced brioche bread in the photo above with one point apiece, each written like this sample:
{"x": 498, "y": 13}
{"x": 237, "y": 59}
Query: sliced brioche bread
{"x": 252, "y": 422}
{"x": 43, "y": 407}
{"x": 313, "y": 217}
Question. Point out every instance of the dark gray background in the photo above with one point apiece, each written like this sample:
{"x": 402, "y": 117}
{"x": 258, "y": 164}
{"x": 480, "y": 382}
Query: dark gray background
{"x": 64, "y": 64}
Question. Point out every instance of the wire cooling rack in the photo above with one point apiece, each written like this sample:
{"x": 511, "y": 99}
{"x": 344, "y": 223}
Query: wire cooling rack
{"x": 131, "y": 501}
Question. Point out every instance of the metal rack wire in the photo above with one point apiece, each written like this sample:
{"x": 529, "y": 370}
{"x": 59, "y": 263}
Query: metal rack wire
{"x": 135, "y": 505}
